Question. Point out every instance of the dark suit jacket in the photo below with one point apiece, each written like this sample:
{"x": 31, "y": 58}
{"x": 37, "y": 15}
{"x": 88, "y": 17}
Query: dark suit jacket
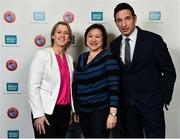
{"x": 150, "y": 78}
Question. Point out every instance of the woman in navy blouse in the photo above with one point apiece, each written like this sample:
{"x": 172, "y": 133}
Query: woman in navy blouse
{"x": 97, "y": 85}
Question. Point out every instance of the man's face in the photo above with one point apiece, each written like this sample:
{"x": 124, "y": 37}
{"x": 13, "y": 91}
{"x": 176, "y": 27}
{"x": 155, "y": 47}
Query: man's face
{"x": 125, "y": 21}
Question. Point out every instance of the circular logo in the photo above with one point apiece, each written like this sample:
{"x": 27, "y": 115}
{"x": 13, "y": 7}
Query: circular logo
{"x": 11, "y": 65}
{"x": 12, "y": 113}
{"x": 40, "y": 40}
{"x": 68, "y": 17}
{"x": 9, "y": 17}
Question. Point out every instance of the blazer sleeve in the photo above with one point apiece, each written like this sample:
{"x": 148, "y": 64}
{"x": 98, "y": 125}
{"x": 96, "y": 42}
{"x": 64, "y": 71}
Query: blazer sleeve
{"x": 165, "y": 63}
{"x": 36, "y": 72}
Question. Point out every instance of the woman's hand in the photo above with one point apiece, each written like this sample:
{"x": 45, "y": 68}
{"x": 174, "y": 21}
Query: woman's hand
{"x": 76, "y": 118}
{"x": 39, "y": 124}
{"x": 112, "y": 118}
{"x": 111, "y": 121}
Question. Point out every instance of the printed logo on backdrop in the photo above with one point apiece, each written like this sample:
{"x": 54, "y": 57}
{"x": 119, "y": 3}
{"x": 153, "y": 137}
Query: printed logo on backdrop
{"x": 9, "y": 17}
{"x": 40, "y": 40}
{"x": 155, "y": 15}
{"x": 68, "y": 17}
{"x": 39, "y": 16}
{"x": 73, "y": 40}
{"x": 12, "y": 113}
{"x": 11, "y": 65}
{"x": 12, "y": 88}
{"x": 96, "y": 16}
{"x": 13, "y": 134}
{"x": 10, "y": 39}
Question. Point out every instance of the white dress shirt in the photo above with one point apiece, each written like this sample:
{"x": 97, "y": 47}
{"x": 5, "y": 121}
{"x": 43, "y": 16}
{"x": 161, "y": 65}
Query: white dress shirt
{"x": 132, "y": 42}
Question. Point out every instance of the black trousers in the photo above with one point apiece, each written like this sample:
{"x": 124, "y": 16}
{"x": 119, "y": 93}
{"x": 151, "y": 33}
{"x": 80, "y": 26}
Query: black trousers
{"x": 140, "y": 124}
{"x": 93, "y": 124}
{"x": 59, "y": 122}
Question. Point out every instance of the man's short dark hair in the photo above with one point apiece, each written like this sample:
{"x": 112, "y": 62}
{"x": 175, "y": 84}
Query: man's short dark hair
{"x": 123, "y": 6}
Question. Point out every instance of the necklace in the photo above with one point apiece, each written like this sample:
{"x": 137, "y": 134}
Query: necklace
{"x": 90, "y": 58}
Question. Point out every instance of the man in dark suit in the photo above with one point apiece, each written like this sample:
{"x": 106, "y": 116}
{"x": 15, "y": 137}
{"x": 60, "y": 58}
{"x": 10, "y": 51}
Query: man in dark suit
{"x": 147, "y": 76}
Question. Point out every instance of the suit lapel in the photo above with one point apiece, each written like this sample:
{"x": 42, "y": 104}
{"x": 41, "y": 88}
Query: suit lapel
{"x": 137, "y": 49}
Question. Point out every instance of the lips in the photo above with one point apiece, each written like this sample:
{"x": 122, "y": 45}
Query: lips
{"x": 93, "y": 44}
{"x": 61, "y": 40}
{"x": 125, "y": 30}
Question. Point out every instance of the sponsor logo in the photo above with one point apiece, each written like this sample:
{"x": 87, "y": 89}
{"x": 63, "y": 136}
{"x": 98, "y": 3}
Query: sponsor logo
{"x": 39, "y": 16}
{"x": 97, "y": 16}
{"x": 154, "y": 15}
{"x": 12, "y": 113}
{"x": 11, "y": 134}
{"x": 73, "y": 39}
{"x": 68, "y": 17}
{"x": 12, "y": 86}
{"x": 10, "y": 39}
{"x": 40, "y": 40}
{"x": 11, "y": 65}
{"x": 9, "y": 17}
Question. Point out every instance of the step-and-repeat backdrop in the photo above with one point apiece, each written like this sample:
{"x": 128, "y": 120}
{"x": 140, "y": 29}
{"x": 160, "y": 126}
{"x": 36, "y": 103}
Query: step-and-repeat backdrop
{"x": 25, "y": 27}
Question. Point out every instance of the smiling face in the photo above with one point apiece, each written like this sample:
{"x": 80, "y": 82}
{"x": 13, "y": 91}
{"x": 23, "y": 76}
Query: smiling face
{"x": 61, "y": 36}
{"x": 125, "y": 21}
{"x": 94, "y": 40}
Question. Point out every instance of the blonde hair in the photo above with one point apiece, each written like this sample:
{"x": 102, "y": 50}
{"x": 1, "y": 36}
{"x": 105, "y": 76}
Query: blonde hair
{"x": 69, "y": 31}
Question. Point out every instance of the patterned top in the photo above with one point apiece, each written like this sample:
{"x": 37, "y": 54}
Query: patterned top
{"x": 97, "y": 83}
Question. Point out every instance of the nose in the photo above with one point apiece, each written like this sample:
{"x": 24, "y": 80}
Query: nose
{"x": 93, "y": 38}
{"x": 123, "y": 23}
{"x": 62, "y": 34}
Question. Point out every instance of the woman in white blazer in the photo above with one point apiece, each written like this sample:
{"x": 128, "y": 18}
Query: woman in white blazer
{"x": 50, "y": 82}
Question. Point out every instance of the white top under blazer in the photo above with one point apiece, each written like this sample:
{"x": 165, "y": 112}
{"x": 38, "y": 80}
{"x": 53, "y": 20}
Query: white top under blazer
{"x": 44, "y": 82}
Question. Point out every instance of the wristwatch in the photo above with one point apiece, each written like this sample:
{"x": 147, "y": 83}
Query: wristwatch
{"x": 113, "y": 114}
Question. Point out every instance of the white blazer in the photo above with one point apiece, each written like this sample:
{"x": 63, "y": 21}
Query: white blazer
{"x": 44, "y": 82}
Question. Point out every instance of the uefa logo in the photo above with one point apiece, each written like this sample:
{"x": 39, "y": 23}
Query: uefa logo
{"x": 9, "y": 17}
{"x": 10, "y": 39}
{"x": 68, "y": 17}
{"x": 97, "y": 16}
{"x": 12, "y": 113}
{"x": 155, "y": 15}
{"x": 11, "y": 87}
{"x": 11, "y": 65}
{"x": 39, "y": 16}
{"x": 13, "y": 134}
{"x": 40, "y": 40}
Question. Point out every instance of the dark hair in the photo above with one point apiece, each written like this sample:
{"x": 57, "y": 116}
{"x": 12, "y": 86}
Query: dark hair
{"x": 69, "y": 31}
{"x": 123, "y": 6}
{"x": 103, "y": 31}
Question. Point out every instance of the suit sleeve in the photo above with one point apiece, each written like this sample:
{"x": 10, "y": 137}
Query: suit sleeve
{"x": 166, "y": 66}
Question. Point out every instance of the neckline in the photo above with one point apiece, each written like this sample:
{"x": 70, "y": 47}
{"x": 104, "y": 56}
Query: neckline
{"x": 88, "y": 53}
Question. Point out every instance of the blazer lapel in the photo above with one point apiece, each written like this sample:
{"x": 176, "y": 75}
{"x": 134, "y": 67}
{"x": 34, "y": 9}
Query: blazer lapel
{"x": 137, "y": 49}
{"x": 70, "y": 65}
{"x": 54, "y": 65}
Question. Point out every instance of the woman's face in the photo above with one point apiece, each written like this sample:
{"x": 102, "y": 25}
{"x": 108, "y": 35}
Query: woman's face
{"x": 61, "y": 36}
{"x": 94, "y": 39}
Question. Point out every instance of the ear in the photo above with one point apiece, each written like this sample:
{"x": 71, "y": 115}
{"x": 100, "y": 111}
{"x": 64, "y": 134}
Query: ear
{"x": 135, "y": 18}
{"x": 52, "y": 37}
